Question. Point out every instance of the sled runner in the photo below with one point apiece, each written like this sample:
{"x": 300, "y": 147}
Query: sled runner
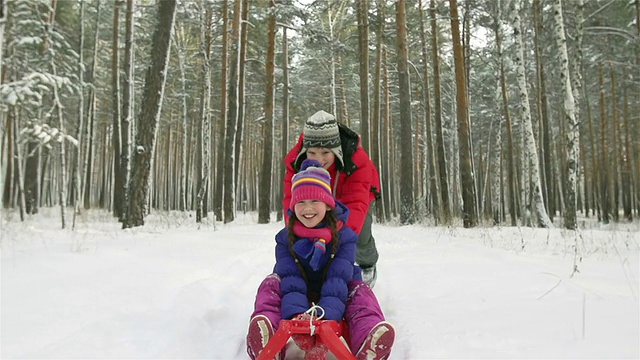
{"x": 327, "y": 331}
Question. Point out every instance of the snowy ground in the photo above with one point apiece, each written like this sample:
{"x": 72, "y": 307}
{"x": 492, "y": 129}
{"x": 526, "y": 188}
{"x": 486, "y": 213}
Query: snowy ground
{"x": 174, "y": 290}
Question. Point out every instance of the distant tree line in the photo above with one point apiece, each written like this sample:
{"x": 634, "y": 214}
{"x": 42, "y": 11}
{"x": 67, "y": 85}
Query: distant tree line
{"x": 514, "y": 112}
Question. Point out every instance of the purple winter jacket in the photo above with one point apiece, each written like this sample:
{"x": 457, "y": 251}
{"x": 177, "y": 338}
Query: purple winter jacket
{"x": 327, "y": 284}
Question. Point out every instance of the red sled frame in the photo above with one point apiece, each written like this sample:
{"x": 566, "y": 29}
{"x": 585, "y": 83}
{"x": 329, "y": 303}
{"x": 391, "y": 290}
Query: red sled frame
{"x": 328, "y": 330}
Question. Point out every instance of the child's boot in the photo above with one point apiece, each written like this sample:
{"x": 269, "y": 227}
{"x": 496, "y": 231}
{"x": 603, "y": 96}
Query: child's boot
{"x": 377, "y": 345}
{"x": 362, "y": 314}
{"x": 369, "y": 275}
{"x": 260, "y": 332}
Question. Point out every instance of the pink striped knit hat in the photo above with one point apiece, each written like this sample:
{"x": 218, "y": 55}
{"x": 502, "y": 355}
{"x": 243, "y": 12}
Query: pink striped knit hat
{"x": 312, "y": 182}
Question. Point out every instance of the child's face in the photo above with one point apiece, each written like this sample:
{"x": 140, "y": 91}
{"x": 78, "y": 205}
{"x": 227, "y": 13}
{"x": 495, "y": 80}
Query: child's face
{"x": 310, "y": 212}
{"x": 324, "y": 156}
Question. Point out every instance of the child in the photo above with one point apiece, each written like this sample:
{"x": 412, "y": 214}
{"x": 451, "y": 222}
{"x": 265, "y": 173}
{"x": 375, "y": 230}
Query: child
{"x": 355, "y": 179}
{"x": 315, "y": 256}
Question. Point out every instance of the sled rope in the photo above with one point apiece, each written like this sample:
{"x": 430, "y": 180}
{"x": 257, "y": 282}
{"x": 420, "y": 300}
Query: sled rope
{"x": 313, "y": 311}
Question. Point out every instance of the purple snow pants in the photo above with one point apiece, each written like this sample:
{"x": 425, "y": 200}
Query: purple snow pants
{"x": 362, "y": 313}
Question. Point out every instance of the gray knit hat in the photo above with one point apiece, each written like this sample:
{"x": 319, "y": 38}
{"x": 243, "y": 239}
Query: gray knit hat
{"x": 321, "y": 130}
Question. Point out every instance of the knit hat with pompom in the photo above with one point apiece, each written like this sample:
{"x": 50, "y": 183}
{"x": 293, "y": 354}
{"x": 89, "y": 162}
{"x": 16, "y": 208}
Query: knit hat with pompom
{"x": 312, "y": 182}
{"x": 321, "y": 130}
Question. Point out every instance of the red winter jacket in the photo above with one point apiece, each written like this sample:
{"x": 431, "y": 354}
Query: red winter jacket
{"x": 358, "y": 182}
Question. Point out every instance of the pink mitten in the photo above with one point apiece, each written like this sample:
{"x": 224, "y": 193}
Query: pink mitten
{"x": 304, "y": 341}
{"x": 319, "y": 352}
{"x": 303, "y": 316}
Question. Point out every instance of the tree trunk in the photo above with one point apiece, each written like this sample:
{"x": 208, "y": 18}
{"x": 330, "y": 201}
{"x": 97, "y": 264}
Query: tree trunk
{"x": 470, "y": 209}
{"x": 88, "y": 159}
{"x": 334, "y": 59}
{"x": 576, "y": 77}
{"x": 87, "y": 152}
{"x": 105, "y": 166}
{"x": 203, "y": 116}
{"x": 341, "y": 102}
{"x": 219, "y": 186}
{"x": 8, "y": 180}
{"x": 241, "y": 89}
{"x": 191, "y": 163}
{"x": 31, "y": 183}
{"x": 496, "y": 163}
{"x": 167, "y": 171}
{"x": 385, "y": 162}
{"x": 45, "y": 177}
{"x": 126, "y": 117}
{"x": 62, "y": 190}
{"x": 151, "y": 106}
{"x": 537, "y": 205}
{"x": 636, "y": 130}
{"x": 229, "y": 182}
{"x": 183, "y": 143}
{"x": 407, "y": 206}
{"x": 466, "y": 48}
{"x": 285, "y": 119}
{"x": 584, "y": 165}
{"x": 20, "y": 171}
{"x": 77, "y": 163}
{"x": 377, "y": 94}
{"x": 445, "y": 212}
{"x": 604, "y": 158}
{"x": 432, "y": 200}
{"x": 627, "y": 188}
{"x": 5, "y": 181}
{"x": 615, "y": 124}
{"x": 267, "y": 130}
{"x": 116, "y": 137}
{"x": 363, "y": 55}
{"x": 573, "y": 133}
{"x": 511, "y": 180}
{"x": 593, "y": 174}
{"x": 3, "y": 20}
{"x": 543, "y": 114}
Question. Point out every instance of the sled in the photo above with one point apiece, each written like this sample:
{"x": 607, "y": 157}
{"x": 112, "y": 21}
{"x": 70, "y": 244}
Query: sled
{"x": 328, "y": 331}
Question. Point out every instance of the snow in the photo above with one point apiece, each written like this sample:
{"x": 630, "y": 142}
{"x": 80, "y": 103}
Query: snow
{"x": 176, "y": 290}
{"x": 321, "y": 117}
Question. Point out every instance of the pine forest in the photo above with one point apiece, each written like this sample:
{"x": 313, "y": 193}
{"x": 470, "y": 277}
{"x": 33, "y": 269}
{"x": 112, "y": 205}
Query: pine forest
{"x": 476, "y": 112}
